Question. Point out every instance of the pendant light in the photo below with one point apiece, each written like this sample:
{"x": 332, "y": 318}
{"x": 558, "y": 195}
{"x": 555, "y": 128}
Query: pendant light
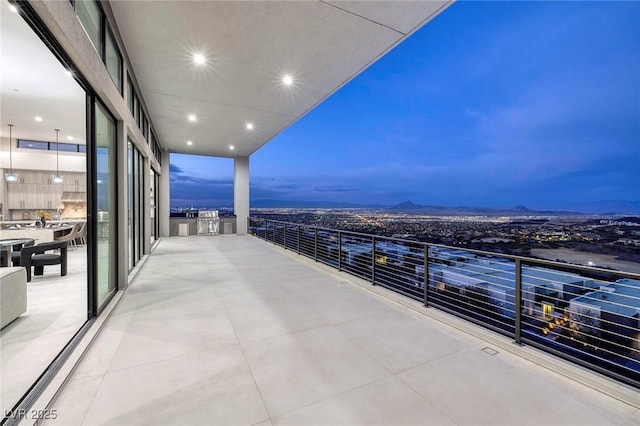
{"x": 57, "y": 178}
{"x": 10, "y": 177}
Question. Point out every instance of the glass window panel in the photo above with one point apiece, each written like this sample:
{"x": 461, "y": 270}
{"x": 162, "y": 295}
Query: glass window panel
{"x": 90, "y": 17}
{"x": 130, "y": 203}
{"x": 136, "y": 206}
{"x": 66, "y": 147}
{"x": 22, "y": 143}
{"x": 113, "y": 61}
{"x": 106, "y": 203}
{"x": 152, "y": 205}
{"x": 130, "y": 95}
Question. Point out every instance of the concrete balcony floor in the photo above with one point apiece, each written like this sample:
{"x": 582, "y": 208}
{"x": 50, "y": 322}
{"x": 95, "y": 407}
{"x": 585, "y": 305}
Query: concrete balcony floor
{"x": 228, "y": 330}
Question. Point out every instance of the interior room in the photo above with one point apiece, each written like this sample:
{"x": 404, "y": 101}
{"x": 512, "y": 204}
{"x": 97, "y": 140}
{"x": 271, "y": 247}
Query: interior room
{"x": 43, "y": 207}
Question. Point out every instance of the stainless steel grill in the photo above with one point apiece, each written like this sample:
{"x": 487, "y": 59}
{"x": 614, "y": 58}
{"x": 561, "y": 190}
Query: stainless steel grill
{"x": 208, "y": 222}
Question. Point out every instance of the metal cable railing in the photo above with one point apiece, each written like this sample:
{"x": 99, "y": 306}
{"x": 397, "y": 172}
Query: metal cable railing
{"x": 590, "y": 316}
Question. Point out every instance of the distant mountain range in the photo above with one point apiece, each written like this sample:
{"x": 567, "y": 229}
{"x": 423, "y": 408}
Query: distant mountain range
{"x": 299, "y": 204}
{"x": 410, "y": 207}
{"x": 611, "y": 207}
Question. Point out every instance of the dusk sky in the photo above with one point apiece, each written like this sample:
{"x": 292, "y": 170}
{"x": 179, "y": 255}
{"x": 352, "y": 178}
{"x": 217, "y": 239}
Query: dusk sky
{"x": 491, "y": 104}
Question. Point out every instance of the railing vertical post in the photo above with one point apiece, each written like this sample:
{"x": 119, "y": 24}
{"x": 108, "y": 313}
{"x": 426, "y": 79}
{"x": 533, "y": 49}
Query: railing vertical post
{"x": 518, "y": 302}
{"x": 373, "y": 260}
{"x": 339, "y": 251}
{"x": 285, "y": 235}
{"x": 273, "y": 232}
{"x": 298, "y": 239}
{"x": 315, "y": 245}
{"x": 425, "y": 272}
{"x": 264, "y": 222}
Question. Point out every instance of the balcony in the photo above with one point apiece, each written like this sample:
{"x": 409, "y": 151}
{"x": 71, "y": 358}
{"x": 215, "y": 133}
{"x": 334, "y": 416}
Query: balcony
{"x": 232, "y": 330}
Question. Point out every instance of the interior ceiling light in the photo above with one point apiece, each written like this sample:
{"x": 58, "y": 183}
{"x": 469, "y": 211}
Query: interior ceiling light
{"x": 10, "y": 177}
{"x": 13, "y": 8}
{"x": 191, "y": 117}
{"x": 249, "y": 126}
{"x": 287, "y": 80}
{"x": 37, "y": 118}
{"x": 70, "y": 138}
{"x": 198, "y": 58}
{"x": 231, "y": 147}
{"x": 57, "y": 178}
{"x": 189, "y": 143}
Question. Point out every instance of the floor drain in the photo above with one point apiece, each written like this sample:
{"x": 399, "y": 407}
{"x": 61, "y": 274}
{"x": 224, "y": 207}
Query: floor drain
{"x": 489, "y": 351}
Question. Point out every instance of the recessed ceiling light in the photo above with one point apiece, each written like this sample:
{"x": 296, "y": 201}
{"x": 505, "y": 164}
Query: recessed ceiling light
{"x": 189, "y": 143}
{"x": 37, "y": 118}
{"x": 68, "y": 73}
{"x": 13, "y": 8}
{"x": 198, "y": 58}
{"x": 191, "y": 117}
{"x": 231, "y": 147}
{"x": 249, "y": 126}
{"x": 287, "y": 80}
{"x": 70, "y": 137}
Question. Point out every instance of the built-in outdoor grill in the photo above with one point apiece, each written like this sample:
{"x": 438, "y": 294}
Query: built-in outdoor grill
{"x": 208, "y": 222}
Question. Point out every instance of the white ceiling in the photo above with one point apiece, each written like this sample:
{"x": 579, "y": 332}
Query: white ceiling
{"x": 249, "y": 46}
{"x": 33, "y": 83}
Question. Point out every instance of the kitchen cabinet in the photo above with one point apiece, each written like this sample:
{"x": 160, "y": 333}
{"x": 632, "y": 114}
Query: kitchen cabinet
{"x": 75, "y": 182}
{"x": 34, "y": 196}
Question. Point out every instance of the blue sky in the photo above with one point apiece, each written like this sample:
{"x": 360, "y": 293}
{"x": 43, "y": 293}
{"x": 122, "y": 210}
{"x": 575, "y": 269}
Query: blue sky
{"x": 491, "y": 104}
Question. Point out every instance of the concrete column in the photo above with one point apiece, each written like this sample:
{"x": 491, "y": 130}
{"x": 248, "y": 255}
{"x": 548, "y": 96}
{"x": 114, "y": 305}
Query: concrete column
{"x": 164, "y": 196}
{"x": 241, "y": 193}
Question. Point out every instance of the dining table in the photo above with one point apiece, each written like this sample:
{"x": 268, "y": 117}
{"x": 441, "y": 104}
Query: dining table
{"x": 6, "y": 248}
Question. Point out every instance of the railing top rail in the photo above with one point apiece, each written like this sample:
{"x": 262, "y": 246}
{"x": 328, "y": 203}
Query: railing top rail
{"x": 523, "y": 259}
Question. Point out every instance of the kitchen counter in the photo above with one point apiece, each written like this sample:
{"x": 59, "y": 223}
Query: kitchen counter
{"x": 5, "y": 223}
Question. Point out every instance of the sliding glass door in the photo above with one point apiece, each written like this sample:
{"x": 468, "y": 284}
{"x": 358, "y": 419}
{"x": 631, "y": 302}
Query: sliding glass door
{"x": 105, "y": 128}
{"x": 135, "y": 195}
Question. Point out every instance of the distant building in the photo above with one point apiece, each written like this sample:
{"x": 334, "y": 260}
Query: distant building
{"x": 544, "y": 291}
{"x": 611, "y": 313}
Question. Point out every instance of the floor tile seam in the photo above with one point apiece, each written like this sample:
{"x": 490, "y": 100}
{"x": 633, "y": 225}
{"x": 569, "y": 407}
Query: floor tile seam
{"x": 178, "y": 316}
{"x": 355, "y": 340}
{"x": 631, "y": 416}
{"x": 91, "y": 346}
{"x": 424, "y": 398}
{"x": 171, "y": 358}
{"x": 437, "y": 359}
{"x": 363, "y": 349}
{"x": 253, "y": 377}
{"x": 122, "y": 332}
{"x": 93, "y": 399}
{"x": 285, "y": 299}
{"x": 328, "y": 397}
{"x": 292, "y": 332}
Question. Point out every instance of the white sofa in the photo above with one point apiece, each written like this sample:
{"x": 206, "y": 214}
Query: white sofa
{"x": 13, "y": 294}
